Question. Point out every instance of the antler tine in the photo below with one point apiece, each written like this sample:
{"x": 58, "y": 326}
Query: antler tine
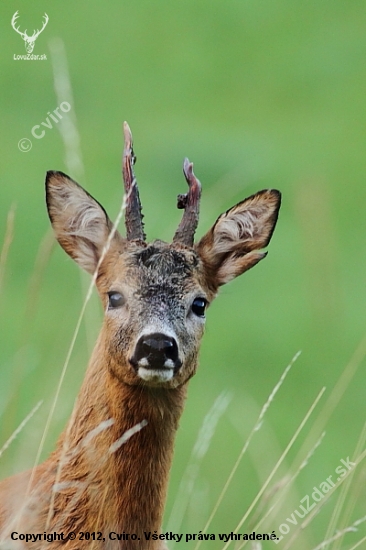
{"x": 133, "y": 214}
{"x": 14, "y": 20}
{"x": 191, "y": 204}
{"x": 37, "y": 32}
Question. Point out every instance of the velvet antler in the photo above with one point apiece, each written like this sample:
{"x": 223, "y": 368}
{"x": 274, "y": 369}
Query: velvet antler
{"x": 191, "y": 204}
{"x": 133, "y": 214}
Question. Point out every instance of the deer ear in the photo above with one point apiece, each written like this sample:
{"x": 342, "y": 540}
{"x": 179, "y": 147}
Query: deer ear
{"x": 233, "y": 244}
{"x": 80, "y": 223}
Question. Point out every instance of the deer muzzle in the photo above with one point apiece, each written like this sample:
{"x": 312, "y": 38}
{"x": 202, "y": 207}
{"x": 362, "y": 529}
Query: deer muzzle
{"x": 156, "y": 357}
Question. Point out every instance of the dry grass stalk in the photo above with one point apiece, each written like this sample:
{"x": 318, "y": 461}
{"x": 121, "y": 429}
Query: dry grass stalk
{"x": 9, "y": 235}
{"x": 256, "y": 427}
{"x": 277, "y": 465}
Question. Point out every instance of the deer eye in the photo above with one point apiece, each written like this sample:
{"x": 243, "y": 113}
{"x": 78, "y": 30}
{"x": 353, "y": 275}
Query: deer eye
{"x": 115, "y": 300}
{"x": 199, "y": 306}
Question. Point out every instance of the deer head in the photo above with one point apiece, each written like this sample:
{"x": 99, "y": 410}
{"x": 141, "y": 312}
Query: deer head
{"x": 155, "y": 295}
{"x": 28, "y": 40}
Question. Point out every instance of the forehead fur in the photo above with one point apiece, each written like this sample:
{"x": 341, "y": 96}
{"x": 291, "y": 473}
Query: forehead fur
{"x": 157, "y": 264}
{"x": 166, "y": 260}
{"x": 164, "y": 273}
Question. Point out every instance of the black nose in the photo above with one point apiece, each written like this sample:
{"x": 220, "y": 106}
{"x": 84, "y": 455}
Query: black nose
{"x": 156, "y": 351}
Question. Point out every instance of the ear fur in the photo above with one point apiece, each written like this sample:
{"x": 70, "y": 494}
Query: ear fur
{"x": 80, "y": 223}
{"x": 233, "y": 244}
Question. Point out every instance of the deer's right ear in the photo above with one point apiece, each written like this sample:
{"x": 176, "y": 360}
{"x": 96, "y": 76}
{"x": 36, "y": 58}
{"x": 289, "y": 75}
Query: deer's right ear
{"x": 80, "y": 223}
{"x": 234, "y": 244}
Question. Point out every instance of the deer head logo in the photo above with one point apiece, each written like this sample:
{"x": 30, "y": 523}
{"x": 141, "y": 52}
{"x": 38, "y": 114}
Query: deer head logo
{"x": 28, "y": 40}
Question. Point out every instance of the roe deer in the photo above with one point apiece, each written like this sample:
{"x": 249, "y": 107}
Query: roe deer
{"x": 109, "y": 472}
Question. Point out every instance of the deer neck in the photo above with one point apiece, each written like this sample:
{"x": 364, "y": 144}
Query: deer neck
{"x": 118, "y": 449}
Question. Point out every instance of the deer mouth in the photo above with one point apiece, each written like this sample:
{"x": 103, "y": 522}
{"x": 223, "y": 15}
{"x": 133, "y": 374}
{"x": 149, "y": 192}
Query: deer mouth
{"x": 156, "y": 375}
{"x": 151, "y": 370}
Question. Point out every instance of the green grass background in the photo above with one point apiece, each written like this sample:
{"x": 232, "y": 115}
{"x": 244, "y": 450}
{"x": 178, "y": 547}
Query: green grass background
{"x": 258, "y": 93}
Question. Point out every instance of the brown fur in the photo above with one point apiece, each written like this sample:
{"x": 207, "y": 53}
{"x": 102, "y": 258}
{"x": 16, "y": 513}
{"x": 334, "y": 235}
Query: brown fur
{"x": 94, "y": 480}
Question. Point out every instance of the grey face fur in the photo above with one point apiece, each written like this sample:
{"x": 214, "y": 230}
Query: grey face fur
{"x": 158, "y": 284}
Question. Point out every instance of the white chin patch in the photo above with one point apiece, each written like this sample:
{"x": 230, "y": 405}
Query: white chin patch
{"x": 155, "y": 375}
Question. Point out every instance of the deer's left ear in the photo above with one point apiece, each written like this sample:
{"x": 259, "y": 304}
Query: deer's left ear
{"x": 233, "y": 245}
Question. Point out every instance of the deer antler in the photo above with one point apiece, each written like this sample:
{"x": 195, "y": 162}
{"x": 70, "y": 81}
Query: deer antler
{"x": 13, "y": 21}
{"x": 133, "y": 214}
{"x": 191, "y": 204}
{"x": 37, "y": 32}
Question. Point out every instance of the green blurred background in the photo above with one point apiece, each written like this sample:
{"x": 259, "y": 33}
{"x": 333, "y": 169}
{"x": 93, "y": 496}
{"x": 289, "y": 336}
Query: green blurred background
{"x": 258, "y": 93}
